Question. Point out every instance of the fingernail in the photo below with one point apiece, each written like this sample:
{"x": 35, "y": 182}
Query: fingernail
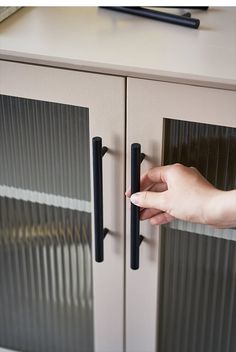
{"x": 135, "y": 198}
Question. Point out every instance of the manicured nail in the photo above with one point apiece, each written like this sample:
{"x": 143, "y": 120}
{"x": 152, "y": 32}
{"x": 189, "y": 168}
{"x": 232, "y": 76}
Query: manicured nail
{"x": 135, "y": 198}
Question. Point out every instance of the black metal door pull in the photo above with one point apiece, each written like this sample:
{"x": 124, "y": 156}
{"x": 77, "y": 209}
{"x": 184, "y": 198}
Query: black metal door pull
{"x": 100, "y": 232}
{"x": 136, "y": 239}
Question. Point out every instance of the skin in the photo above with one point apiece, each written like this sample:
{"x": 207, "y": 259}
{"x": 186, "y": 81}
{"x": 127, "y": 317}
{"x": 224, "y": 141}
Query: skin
{"x": 179, "y": 192}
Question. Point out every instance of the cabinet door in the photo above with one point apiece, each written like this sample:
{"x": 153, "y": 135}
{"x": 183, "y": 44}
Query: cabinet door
{"x": 53, "y": 295}
{"x": 182, "y": 298}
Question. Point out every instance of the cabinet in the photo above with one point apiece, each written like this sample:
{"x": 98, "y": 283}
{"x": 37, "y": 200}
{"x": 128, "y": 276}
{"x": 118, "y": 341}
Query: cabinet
{"x": 56, "y": 96}
{"x": 48, "y": 117}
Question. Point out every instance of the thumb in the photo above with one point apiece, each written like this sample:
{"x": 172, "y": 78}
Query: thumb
{"x": 147, "y": 199}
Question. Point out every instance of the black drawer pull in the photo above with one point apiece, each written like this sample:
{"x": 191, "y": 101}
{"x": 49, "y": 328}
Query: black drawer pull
{"x": 136, "y": 239}
{"x": 100, "y": 232}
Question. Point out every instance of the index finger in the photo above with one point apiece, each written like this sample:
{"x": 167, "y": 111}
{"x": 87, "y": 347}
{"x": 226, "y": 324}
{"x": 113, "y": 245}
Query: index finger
{"x": 128, "y": 191}
{"x": 157, "y": 174}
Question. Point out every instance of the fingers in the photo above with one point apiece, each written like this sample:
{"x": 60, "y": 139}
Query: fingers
{"x": 161, "y": 219}
{"x": 145, "y": 184}
{"x": 158, "y": 187}
{"x": 157, "y": 175}
{"x": 128, "y": 192}
{"x": 149, "y": 213}
{"x": 150, "y": 200}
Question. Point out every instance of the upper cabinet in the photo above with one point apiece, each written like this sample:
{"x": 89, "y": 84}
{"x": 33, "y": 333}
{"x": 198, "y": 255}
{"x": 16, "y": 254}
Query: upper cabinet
{"x": 53, "y": 294}
{"x": 95, "y": 39}
{"x": 195, "y": 126}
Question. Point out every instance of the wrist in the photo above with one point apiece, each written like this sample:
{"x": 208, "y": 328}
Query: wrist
{"x": 221, "y": 209}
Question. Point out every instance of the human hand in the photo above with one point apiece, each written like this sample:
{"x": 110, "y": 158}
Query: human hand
{"x": 177, "y": 191}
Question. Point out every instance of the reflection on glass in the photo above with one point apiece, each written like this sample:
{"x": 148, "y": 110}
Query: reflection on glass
{"x": 46, "y": 300}
{"x": 198, "y": 263}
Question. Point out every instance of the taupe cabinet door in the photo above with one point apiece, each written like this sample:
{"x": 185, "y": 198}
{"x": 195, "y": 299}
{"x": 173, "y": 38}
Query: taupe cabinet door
{"x": 53, "y": 295}
{"x": 172, "y": 299}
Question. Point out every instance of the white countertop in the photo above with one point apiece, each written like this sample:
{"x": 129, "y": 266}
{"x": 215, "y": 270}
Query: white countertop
{"x": 99, "y": 40}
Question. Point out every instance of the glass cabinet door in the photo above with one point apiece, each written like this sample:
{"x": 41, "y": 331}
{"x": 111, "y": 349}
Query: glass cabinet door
{"x": 188, "y": 301}
{"x": 198, "y": 263}
{"x": 45, "y": 216}
{"x": 52, "y": 293}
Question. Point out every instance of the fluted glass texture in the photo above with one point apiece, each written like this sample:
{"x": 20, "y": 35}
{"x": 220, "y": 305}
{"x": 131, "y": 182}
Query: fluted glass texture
{"x": 46, "y": 291}
{"x": 198, "y": 263}
{"x": 44, "y": 147}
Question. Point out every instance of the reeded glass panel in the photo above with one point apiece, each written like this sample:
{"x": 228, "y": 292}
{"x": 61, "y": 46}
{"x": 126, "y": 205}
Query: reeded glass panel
{"x": 44, "y": 147}
{"x": 46, "y": 299}
{"x": 198, "y": 263}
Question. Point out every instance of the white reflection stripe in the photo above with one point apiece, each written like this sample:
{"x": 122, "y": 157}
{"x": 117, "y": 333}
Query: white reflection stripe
{"x": 227, "y": 234}
{"x": 45, "y": 198}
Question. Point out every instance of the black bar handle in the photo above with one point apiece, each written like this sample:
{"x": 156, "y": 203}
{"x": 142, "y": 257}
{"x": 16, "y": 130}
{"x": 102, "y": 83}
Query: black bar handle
{"x": 136, "y": 239}
{"x": 202, "y": 8}
{"x": 100, "y": 232}
{"x": 157, "y": 15}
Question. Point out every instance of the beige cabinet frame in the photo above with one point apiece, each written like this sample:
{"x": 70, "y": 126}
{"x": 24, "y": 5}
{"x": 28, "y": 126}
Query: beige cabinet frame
{"x": 149, "y": 102}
